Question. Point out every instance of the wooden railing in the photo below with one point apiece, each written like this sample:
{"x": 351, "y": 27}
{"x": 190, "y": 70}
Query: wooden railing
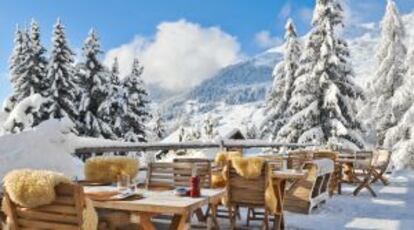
{"x": 223, "y": 144}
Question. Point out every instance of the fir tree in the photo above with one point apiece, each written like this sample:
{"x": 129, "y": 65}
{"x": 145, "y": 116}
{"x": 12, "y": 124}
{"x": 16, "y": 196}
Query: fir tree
{"x": 21, "y": 66}
{"x": 113, "y": 108}
{"x": 322, "y": 109}
{"x": 158, "y": 128}
{"x": 37, "y": 70}
{"x": 137, "y": 102}
{"x": 16, "y": 61}
{"x": 63, "y": 89}
{"x": 95, "y": 80}
{"x": 389, "y": 76}
{"x": 283, "y": 78}
{"x": 400, "y": 137}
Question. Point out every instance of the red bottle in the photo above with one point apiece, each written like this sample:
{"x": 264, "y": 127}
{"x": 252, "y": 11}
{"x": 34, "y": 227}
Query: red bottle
{"x": 195, "y": 186}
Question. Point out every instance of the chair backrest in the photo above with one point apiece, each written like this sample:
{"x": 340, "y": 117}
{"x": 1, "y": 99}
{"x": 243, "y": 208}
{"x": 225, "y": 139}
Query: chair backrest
{"x": 363, "y": 159}
{"x": 64, "y": 213}
{"x": 160, "y": 175}
{"x": 325, "y": 154}
{"x": 274, "y": 162}
{"x": 382, "y": 158}
{"x": 297, "y": 158}
{"x": 203, "y": 167}
{"x": 246, "y": 192}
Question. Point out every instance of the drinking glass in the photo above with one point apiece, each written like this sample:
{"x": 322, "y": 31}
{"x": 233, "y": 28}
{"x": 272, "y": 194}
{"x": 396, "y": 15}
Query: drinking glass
{"x": 123, "y": 182}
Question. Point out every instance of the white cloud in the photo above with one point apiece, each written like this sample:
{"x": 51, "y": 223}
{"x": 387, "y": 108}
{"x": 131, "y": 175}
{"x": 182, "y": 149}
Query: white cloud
{"x": 285, "y": 12}
{"x": 264, "y": 39}
{"x": 306, "y": 15}
{"x": 181, "y": 55}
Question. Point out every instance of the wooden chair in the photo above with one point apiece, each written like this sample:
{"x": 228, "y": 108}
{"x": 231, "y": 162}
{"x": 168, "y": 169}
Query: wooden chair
{"x": 65, "y": 213}
{"x": 254, "y": 214}
{"x": 249, "y": 193}
{"x": 363, "y": 171}
{"x": 334, "y": 185}
{"x": 203, "y": 167}
{"x": 160, "y": 175}
{"x": 380, "y": 164}
{"x": 296, "y": 159}
{"x": 311, "y": 191}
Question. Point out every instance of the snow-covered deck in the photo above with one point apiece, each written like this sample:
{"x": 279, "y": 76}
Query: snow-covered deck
{"x": 393, "y": 209}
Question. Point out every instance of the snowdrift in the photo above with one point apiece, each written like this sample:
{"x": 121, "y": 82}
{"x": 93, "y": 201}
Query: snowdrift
{"x": 47, "y": 146}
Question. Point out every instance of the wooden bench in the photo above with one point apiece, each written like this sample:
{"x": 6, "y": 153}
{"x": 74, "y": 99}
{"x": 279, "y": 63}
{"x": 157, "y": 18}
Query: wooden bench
{"x": 311, "y": 191}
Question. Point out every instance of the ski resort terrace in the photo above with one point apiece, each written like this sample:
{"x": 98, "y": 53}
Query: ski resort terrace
{"x": 53, "y": 144}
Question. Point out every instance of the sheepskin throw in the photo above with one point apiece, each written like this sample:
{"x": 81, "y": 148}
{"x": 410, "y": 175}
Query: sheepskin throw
{"x": 248, "y": 168}
{"x": 222, "y": 158}
{"x": 217, "y": 180}
{"x": 107, "y": 169}
{"x": 33, "y": 188}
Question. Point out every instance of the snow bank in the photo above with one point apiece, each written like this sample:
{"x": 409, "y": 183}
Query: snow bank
{"x": 47, "y": 146}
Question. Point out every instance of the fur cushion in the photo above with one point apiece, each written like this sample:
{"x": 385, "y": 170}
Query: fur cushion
{"x": 33, "y": 188}
{"x": 222, "y": 158}
{"x": 107, "y": 169}
{"x": 249, "y": 167}
{"x": 217, "y": 179}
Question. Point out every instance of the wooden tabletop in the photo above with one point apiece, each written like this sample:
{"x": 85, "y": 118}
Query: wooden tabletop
{"x": 157, "y": 201}
{"x": 290, "y": 174}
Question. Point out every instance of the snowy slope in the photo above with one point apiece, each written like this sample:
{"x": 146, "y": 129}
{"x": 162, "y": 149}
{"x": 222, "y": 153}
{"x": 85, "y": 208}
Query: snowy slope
{"x": 247, "y": 82}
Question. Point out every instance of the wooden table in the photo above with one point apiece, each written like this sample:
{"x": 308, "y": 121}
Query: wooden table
{"x": 279, "y": 182}
{"x": 160, "y": 202}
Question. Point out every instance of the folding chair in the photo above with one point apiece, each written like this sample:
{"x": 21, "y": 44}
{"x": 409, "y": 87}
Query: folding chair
{"x": 380, "y": 164}
{"x": 363, "y": 171}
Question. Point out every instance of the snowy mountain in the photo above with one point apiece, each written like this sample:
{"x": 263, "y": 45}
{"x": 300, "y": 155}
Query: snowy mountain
{"x": 248, "y": 81}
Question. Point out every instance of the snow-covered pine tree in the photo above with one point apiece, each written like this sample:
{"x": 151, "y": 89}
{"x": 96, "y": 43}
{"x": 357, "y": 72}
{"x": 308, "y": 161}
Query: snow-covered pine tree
{"x": 322, "y": 109}
{"x": 389, "y": 76}
{"x": 16, "y": 62}
{"x": 96, "y": 81}
{"x": 400, "y": 138}
{"x": 28, "y": 73}
{"x": 113, "y": 108}
{"x": 137, "y": 102}
{"x": 158, "y": 128}
{"x": 37, "y": 68}
{"x": 60, "y": 74}
{"x": 115, "y": 73}
{"x": 283, "y": 78}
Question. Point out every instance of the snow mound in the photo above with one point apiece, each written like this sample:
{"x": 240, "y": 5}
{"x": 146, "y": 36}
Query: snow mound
{"x": 48, "y": 146}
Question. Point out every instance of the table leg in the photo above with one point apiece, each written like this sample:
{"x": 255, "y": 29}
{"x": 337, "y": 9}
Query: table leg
{"x": 180, "y": 222}
{"x": 144, "y": 220}
{"x": 280, "y": 190}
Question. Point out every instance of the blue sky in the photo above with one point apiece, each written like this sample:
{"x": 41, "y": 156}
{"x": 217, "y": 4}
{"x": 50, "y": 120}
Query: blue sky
{"x": 253, "y": 25}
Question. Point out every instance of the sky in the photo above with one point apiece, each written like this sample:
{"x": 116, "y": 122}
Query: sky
{"x": 180, "y": 42}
